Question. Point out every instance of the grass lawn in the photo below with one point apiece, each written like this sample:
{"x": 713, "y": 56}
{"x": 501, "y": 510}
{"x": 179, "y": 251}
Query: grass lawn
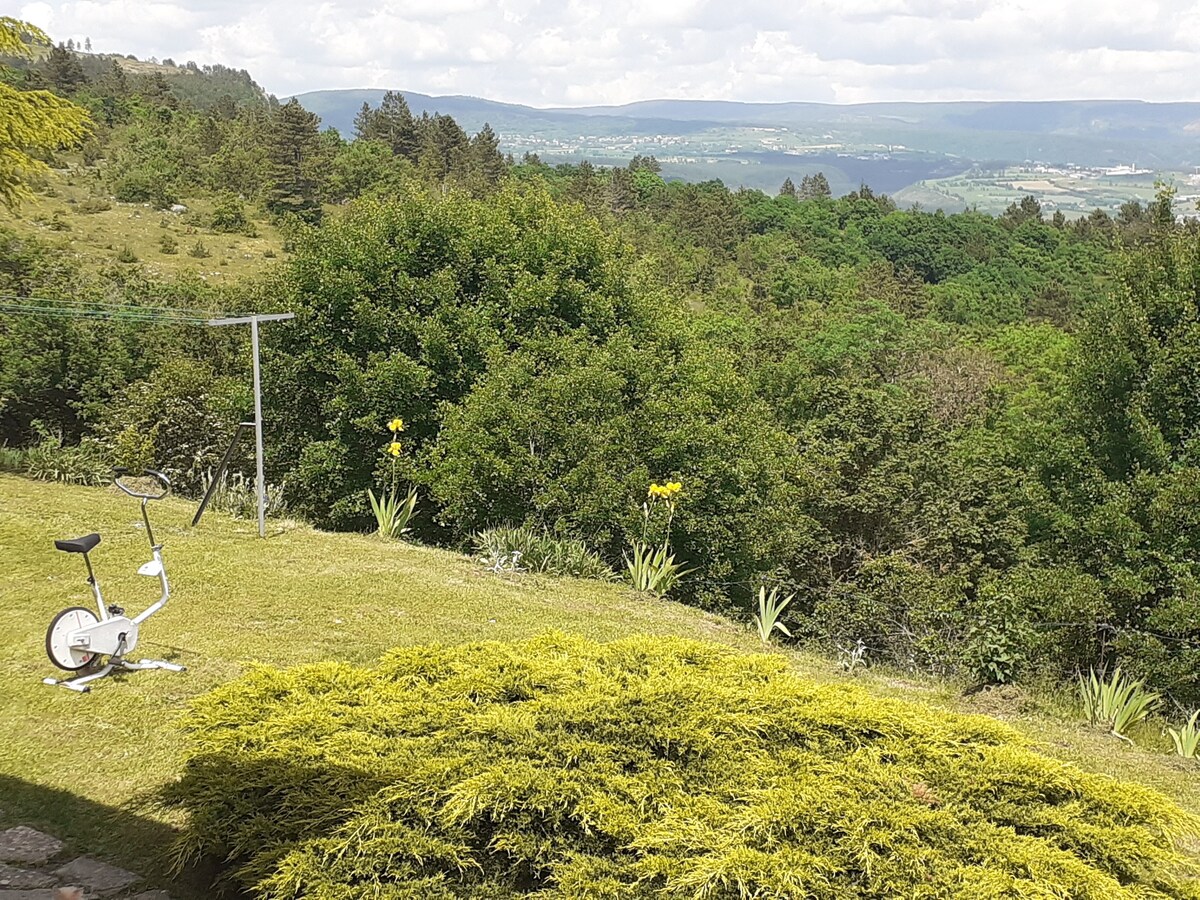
{"x": 69, "y": 761}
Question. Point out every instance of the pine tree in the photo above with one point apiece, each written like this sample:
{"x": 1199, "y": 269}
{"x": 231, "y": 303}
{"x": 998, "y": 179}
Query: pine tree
{"x": 209, "y": 136}
{"x": 292, "y": 143}
{"x": 392, "y": 123}
{"x": 813, "y": 187}
{"x": 63, "y": 70}
{"x": 584, "y": 187}
{"x": 224, "y": 108}
{"x": 621, "y": 195}
{"x": 487, "y": 163}
{"x": 364, "y": 122}
{"x": 444, "y": 147}
{"x": 788, "y": 189}
{"x": 87, "y": 44}
{"x": 1027, "y": 210}
{"x": 114, "y": 81}
{"x": 647, "y": 163}
{"x": 157, "y": 92}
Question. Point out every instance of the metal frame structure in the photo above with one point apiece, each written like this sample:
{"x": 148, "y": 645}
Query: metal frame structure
{"x": 12, "y": 304}
{"x": 216, "y": 478}
{"x": 260, "y": 485}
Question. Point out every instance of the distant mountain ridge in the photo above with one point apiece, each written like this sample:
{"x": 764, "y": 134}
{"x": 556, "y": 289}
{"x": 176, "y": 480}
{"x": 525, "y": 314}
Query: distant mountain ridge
{"x": 338, "y": 108}
{"x": 892, "y": 146}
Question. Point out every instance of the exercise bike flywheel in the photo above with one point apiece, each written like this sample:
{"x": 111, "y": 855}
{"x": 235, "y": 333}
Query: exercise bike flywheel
{"x": 72, "y": 659}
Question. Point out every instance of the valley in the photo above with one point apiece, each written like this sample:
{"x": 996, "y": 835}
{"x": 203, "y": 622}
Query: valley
{"x": 1073, "y": 156}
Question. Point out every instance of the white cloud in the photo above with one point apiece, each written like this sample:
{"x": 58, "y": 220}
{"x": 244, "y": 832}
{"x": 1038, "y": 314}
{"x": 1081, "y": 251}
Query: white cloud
{"x": 583, "y": 52}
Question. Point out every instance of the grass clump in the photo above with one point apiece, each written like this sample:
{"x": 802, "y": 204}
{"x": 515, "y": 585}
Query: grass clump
{"x": 236, "y": 495}
{"x": 93, "y": 205}
{"x": 647, "y": 767}
{"x": 539, "y": 551}
{"x": 86, "y": 463}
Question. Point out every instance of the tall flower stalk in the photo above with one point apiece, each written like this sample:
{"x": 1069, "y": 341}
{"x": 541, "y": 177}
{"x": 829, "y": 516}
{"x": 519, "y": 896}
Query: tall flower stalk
{"x": 392, "y": 512}
{"x": 652, "y": 569}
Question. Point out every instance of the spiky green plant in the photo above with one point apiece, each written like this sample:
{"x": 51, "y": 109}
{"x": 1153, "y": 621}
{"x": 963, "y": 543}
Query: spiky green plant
{"x": 652, "y": 569}
{"x": 1186, "y": 738}
{"x": 541, "y": 551}
{"x": 770, "y": 608}
{"x": 85, "y": 463}
{"x": 392, "y": 512}
{"x": 644, "y": 769}
{"x": 1116, "y": 703}
{"x": 13, "y": 459}
{"x": 237, "y": 494}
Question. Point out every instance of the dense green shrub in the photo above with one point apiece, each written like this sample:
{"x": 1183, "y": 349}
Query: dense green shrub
{"x": 570, "y": 433}
{"x": 648, "y": 767}
{"x": 229, "y": 217}
{"x": 179, "y": 420}
{"x": 402, "y": 304}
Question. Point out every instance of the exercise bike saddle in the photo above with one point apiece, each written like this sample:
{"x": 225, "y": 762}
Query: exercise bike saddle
{"x": 80, "y": 544}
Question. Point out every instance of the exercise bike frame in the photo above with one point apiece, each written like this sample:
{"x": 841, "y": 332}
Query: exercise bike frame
{"x": 108, "y": 619}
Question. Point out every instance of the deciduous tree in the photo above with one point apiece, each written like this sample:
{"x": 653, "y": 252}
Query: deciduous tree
{"x": 32, "y": 123}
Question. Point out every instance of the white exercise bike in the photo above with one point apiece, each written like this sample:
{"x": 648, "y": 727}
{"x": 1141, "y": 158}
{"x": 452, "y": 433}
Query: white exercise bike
{"x": 78, "y": 639}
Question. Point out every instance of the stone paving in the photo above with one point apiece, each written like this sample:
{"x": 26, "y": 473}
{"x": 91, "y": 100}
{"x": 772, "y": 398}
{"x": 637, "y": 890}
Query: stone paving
{"x": 33, "y": 866}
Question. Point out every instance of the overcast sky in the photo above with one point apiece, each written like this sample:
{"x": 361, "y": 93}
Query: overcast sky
{"x": 577, "y": 53}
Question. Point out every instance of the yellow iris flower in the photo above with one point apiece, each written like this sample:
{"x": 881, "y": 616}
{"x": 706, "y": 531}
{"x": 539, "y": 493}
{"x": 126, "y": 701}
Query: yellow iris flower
{"x": 396, "y": 425}
{"x": 665, "y": 491}
{"x": 394, "y": 448}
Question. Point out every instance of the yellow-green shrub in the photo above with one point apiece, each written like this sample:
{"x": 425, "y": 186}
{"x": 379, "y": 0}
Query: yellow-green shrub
{"x": 648, "y": 767}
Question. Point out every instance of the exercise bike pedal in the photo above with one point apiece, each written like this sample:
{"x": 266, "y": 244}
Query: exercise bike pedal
{"x": 114, "y": 610}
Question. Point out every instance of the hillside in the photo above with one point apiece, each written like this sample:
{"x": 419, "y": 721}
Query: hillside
{"x": 305, "y": 596}
{"x": 890, "y": 146}
{"x": 66, "y": 213}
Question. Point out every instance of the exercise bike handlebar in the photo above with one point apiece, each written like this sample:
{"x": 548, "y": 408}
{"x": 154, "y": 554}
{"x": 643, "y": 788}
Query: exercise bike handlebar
{"x": 162, "y": 479}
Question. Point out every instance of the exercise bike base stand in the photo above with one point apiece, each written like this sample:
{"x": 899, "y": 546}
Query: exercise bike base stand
{"x": 78, "y": 639}
{"x": 115, "y": 664}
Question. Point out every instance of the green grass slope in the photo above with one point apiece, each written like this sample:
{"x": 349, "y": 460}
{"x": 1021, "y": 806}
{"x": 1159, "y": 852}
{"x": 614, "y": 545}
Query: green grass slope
{"x": 67, "y": 761}
{"x": 56, "y": 213}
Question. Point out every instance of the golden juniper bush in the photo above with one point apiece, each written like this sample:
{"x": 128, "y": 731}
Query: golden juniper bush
{"x": 647, "y": 767}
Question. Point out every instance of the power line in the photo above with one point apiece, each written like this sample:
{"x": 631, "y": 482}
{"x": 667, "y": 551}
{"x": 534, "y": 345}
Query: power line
{"x": 100, "y": 309}
{"x": 21, "y": 298}
{"x": 114, "y": 315}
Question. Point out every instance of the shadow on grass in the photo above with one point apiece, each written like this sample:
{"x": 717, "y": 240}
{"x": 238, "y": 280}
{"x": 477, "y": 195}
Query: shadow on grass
{"x": 122, "y": 837}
